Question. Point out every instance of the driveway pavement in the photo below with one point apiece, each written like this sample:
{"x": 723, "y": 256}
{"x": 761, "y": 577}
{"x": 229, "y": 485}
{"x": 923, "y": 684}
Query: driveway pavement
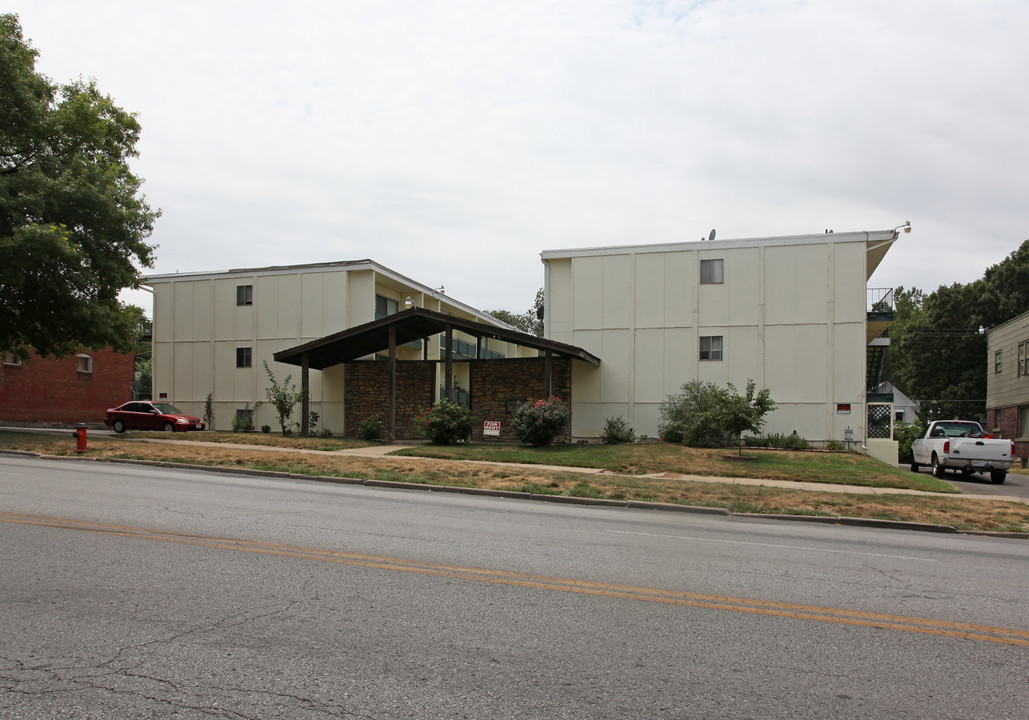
{"x": 1016, "y": 485}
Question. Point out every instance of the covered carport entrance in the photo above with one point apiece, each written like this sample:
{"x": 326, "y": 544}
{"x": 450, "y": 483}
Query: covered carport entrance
{"x": 419, "y": 324}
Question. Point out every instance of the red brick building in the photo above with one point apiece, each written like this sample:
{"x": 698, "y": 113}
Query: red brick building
{"x": 64, "y": 391}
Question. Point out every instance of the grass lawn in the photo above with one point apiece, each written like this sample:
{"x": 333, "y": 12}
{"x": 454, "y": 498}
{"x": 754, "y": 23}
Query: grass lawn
{"x": 654, "y": 458}
{"x": 256, "y": 438}
{"x": 646, "y": 472}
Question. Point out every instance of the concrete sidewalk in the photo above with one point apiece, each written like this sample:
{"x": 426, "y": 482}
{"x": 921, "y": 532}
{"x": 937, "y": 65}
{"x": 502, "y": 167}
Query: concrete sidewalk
{"x": 385, "y": 452}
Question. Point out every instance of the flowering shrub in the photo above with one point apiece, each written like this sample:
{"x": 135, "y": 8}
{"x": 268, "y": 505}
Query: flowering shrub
{"x": 445, "y": 423}
{"x": 538, "y": 422}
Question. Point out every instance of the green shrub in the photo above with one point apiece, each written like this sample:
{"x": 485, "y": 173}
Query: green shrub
{"x": 266, "y": 429}
{"x": 445, "y": 423}
{"x": 905, "y": 434}
{"x": 371, "y": 428}
{"x": 788, "y": 442}
{"x": 703, "y": 414}
{"x": 538, "y": 422}
{"x": 616, "y": 431}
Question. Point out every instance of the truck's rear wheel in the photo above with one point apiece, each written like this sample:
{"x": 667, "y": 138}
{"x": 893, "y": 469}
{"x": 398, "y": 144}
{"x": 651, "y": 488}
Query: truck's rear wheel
{"x": 998, "y": 476}
{"x": 938, "y": 469}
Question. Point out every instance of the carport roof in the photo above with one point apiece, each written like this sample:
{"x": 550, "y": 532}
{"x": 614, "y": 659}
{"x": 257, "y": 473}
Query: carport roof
{"x": 409, "y": 325}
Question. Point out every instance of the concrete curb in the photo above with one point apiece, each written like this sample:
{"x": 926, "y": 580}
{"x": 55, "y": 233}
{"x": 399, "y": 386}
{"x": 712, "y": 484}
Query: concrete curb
{"x": 561, "y": 499}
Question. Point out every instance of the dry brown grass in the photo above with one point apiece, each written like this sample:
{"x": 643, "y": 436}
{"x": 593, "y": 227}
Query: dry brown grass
{"x": 951, "y": 510}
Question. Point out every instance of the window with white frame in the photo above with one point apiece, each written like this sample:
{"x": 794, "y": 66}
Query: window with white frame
{"x": 244, "y": 295}
{"x": 83, "y": 363}
{"x": 244, "y": 357}
{"x": 1023, "y": 421}
{"x": 1023, "y": 359}
{"x": 9, "y": 358}
{"x": 712, "y": 272}
{"x": 711, "y": 347}
{"x": 997, "y": 364}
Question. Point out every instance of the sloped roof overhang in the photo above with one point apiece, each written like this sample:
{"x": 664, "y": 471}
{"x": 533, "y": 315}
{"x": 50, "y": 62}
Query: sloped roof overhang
{"x": 407, "y": 326}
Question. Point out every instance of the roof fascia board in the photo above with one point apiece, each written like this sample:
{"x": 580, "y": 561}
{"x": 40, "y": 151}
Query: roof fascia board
{"x": 272, "y": 270}
{"x": 861, "y": 236}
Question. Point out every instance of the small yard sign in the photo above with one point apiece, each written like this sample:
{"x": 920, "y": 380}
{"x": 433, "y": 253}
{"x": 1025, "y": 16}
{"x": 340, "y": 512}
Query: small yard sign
{"x": 491, "y": 427}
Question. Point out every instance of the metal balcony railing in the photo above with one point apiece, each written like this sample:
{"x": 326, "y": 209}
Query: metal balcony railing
{"x": 879, "y": 300}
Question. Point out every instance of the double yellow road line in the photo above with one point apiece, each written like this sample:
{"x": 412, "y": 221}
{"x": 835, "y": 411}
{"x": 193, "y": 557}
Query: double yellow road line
{"x": 903, "y": 623}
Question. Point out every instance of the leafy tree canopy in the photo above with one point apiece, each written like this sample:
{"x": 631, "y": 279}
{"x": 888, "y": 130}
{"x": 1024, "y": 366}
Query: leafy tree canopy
{"x": 73, "y": 224}
{"x": 529, "y": 321}
{"x": 938, "y": 345}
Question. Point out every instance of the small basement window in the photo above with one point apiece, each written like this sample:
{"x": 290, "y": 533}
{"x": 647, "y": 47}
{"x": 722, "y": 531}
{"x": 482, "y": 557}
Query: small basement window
{"x": 83, "y": 363}
{"x": 9, "y": 358}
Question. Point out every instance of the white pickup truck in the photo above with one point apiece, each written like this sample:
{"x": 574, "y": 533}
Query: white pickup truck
{"x": 962, "y": 446}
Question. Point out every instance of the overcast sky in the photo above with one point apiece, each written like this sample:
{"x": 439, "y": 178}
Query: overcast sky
{"x": 453, "y": 141}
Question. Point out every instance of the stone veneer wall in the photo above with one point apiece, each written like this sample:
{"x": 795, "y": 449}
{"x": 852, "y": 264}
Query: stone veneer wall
{"x": 495, "y": 387}
{"x": 366, "y": 392}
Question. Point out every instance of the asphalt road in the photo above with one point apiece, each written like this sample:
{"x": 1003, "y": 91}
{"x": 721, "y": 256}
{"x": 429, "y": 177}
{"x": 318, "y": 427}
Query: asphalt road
{"x": 1015, "y": 485}
{"x": 141, "y": 592}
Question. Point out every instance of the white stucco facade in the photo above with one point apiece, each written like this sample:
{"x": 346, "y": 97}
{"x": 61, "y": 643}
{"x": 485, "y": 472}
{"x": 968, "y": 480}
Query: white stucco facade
{"x": 204, "y": 323}
{"x": 788, "y": 312}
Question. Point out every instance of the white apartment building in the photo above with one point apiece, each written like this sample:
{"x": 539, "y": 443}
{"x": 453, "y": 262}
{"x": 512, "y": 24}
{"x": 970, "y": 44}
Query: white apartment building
{"x": 213, "y": 331}
{"x": 789, "y": 312}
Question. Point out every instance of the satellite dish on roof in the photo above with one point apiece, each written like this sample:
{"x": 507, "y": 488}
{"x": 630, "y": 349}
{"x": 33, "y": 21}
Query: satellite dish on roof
{"x": 711, "y": 235}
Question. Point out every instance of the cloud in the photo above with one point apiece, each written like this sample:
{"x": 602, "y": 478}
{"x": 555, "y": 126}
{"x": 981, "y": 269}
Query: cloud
{"x": 453, "y": 141}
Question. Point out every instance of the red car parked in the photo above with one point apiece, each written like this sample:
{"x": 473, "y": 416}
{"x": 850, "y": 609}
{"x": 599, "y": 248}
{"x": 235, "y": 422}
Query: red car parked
{"x": 145, "y": 415}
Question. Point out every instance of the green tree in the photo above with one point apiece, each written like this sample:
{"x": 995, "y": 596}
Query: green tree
{"x": 284, "y": 397}
{"x": 745, "y": 413}
{"x": 73, "y": 224}
{"x": 530, "y": 321}
{"x": 938, "y": 343}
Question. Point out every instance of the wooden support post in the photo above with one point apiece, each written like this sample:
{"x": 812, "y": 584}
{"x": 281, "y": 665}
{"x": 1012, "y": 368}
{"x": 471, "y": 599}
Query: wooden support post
{"x": 392, "y": 434}
{"x": 548, "y": 374}
{"x": 305, "y": 401}
{"x": 449, "y": 382}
